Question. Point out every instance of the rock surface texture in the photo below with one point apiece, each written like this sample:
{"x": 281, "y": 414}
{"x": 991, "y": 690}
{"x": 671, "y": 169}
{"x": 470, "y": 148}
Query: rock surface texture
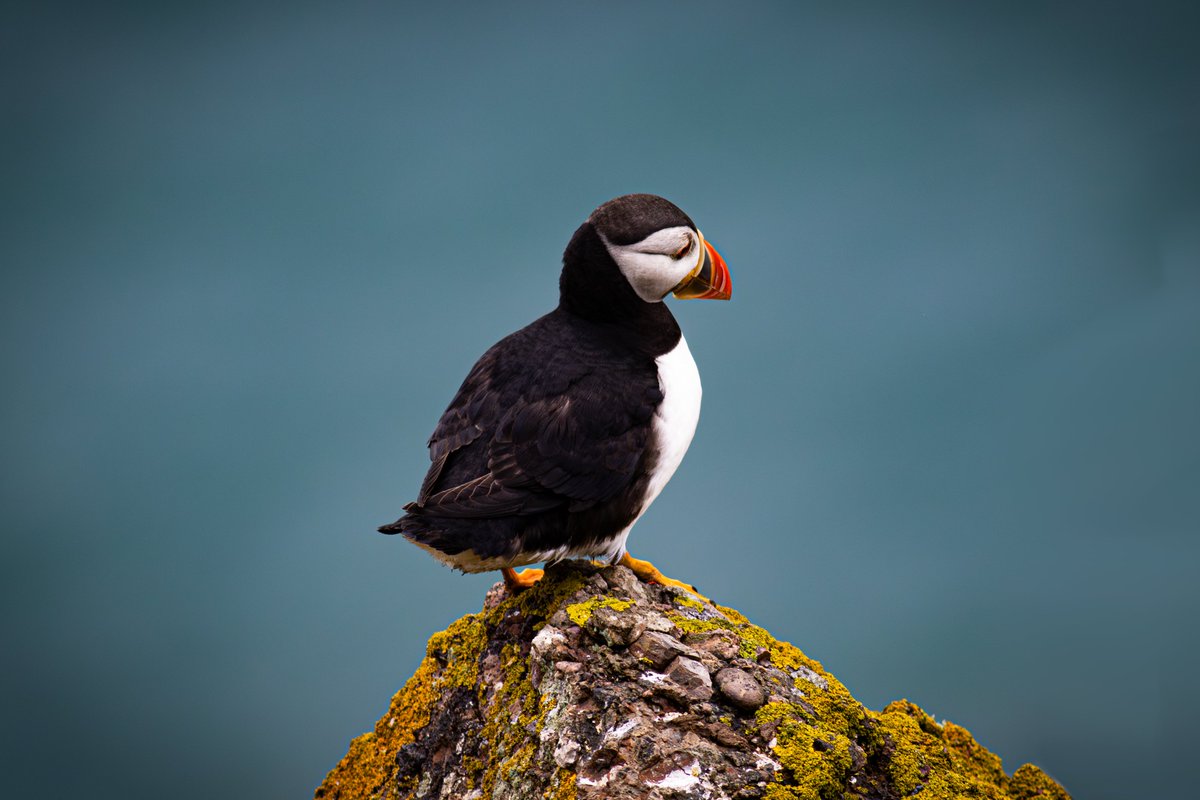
{"x": 595, "y": 685}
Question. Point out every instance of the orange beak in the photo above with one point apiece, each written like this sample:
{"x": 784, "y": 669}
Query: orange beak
{"x": 709, "y": 280}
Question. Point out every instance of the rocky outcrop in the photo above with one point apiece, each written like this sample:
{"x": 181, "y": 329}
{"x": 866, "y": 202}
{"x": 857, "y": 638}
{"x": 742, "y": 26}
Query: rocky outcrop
{"x": 595, "y": 685}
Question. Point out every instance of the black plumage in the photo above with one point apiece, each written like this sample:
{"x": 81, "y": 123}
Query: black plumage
{"x": 546, "y": 449}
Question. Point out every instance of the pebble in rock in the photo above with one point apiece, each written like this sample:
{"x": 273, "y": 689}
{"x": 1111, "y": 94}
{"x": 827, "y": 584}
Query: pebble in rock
{"x": 741, "y": 688}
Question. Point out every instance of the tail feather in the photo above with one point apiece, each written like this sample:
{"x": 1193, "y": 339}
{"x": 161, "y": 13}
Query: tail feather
{"x": 427, "y": 533}
{"x": 392, "y": 527}
{"x": 400, "y": 526}
{"x": 475, "y": 545}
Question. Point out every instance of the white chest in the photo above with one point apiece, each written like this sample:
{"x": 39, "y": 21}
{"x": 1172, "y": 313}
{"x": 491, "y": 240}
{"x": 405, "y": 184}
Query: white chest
{"x": 676, "y": 418}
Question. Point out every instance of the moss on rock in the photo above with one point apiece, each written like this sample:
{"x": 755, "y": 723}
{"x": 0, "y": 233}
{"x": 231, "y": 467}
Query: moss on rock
{"x": 538, "y": 696}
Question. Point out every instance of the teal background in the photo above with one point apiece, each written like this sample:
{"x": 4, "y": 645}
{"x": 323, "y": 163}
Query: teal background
{"x": 950, "y": 443}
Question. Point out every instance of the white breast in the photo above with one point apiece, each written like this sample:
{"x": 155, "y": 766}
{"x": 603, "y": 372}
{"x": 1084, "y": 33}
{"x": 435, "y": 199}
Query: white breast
{"x": 673, "y": 425}
{"x": 676, "y": 418}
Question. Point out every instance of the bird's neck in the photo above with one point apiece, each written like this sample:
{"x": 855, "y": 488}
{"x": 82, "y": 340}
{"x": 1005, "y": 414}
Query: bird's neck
{"x": 592, "y": 288}
{"x": 651, "y": 332}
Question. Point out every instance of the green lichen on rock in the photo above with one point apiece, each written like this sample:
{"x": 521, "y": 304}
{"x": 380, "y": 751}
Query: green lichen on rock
{"x": 594, "y": 685}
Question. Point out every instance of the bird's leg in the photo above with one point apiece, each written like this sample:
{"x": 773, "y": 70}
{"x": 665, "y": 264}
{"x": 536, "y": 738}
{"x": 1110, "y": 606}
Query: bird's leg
{"x": 515, "y": 581}
{"x": 650, "y": 574}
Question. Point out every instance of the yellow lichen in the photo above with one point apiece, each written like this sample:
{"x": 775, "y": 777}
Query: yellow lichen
{"x": 459, "y": 646}
{"x": 564, "y": 787}
{"x": 1029, "y": 782}
{"x": 901, "y": 723}
{"x": 817, "y": 760}
{"x": 580, "y": 613}
{"x": 939, "y": 761}
{"x": 974, "y": 759}
{"x": 814, "y": 738}
{"x": 371, "y": 760}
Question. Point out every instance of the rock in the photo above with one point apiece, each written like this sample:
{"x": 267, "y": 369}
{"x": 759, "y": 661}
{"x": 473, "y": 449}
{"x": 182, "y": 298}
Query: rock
{"x": 658, "y": 649}
{"x": 550, "y": 641}
{"x": 691, "y": 676}
{"x": 616, "y": 627}
{"x": 721, "y": 643}
{"x": 807, "y": 674}
{"x": 741, "y": 688}
{"x": 566, "y": 753}
{"x": 625, "y": 584}
{"x": 660, "y": 624}
{"x": 593, "y": 685}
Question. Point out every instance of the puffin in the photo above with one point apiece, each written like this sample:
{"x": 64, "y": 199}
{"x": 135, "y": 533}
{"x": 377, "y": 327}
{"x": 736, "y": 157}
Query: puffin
{"x": 564, "y": 432}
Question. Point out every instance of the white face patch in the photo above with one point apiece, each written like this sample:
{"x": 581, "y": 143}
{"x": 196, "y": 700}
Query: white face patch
{"x": 650, "y": 265}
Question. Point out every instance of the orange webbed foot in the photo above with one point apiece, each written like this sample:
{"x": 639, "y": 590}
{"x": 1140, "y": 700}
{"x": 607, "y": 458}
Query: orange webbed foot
{"x": 651, "y": 574}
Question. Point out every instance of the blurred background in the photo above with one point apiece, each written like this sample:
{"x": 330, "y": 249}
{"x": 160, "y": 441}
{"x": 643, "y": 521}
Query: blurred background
{"x": 950, "y": 444}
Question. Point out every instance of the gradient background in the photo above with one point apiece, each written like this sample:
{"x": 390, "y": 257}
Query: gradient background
{"x": 951, "y": 436}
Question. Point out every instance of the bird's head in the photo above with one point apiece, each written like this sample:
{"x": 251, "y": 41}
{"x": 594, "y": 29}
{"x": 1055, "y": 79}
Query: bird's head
{"x": 640, "y": 248}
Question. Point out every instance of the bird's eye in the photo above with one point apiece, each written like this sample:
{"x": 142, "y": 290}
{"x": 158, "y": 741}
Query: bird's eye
{"x": 683, "y": 251}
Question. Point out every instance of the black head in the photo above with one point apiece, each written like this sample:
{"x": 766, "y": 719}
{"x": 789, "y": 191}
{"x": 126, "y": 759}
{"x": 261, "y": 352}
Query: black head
{"x": 631, "y": 252}
{"x": 631, "y": 218}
